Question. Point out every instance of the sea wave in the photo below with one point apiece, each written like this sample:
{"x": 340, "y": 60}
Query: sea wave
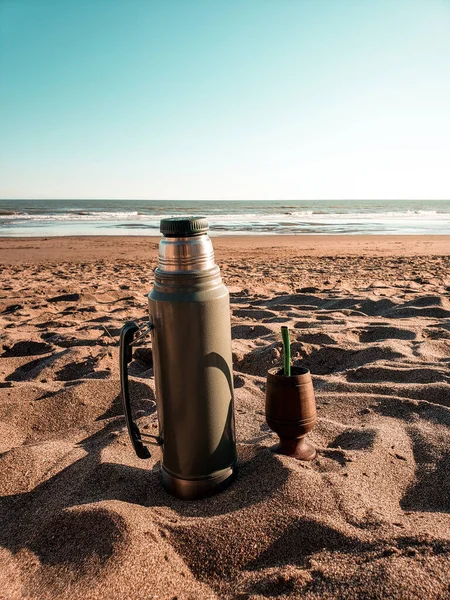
{"x": 225, "y": 218}
{"x": 72, "y": 216}
{"x": 304, "y": 215}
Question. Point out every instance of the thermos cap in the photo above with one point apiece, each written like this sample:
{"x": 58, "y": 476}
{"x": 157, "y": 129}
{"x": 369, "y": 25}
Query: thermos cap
{"x": 183, "y": 226}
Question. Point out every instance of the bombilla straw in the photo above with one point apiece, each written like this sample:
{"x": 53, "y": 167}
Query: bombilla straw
{"x": 286, "y": 350}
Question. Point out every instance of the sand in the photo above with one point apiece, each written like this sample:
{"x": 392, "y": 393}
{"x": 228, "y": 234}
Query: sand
{"x": 81, "y": 517}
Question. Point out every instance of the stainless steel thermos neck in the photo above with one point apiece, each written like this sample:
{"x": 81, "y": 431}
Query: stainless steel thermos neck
{"x": 185, "y": 247}
{"x": 191, "y": 336}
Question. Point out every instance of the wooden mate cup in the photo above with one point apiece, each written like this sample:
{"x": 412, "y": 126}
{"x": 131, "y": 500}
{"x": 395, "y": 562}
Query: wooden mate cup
{"x": 291, "y": 411}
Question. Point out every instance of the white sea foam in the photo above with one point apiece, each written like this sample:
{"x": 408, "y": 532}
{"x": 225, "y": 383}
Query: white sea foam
{"x": 33, "y": 218}
{"x": 72, "y": 216}
{"x": 307, "y": 215}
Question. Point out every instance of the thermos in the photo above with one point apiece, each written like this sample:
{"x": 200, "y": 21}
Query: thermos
{"x": 191, "y": 341}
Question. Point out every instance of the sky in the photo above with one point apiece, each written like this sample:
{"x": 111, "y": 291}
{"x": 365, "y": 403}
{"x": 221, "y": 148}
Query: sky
{"x": 225, "y": 99}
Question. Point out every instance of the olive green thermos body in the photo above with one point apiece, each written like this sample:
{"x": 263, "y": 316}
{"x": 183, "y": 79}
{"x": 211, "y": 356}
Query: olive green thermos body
{"x": 191, "y": 343}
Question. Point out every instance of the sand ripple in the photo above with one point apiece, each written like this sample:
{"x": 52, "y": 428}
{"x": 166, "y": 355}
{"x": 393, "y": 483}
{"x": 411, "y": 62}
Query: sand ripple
{"x": 369, "y": 518}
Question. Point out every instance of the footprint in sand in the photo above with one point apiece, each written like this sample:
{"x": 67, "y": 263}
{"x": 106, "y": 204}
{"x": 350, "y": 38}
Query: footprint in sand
{"x": 377, "y": 334}
{"x": 397, "y": 375}
{"x": 250, "y": 332}
{"x": 25, "y": 348}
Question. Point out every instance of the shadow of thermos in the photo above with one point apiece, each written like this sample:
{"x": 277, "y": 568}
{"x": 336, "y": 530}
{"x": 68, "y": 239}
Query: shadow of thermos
{"x": 191, "y": 337}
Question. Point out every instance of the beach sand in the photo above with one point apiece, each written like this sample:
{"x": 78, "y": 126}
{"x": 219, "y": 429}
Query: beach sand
{"x": 82, "y": 517}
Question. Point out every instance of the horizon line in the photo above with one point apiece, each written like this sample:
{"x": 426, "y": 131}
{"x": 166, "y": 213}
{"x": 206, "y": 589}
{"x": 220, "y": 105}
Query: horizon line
{"x": 232, "y": 200}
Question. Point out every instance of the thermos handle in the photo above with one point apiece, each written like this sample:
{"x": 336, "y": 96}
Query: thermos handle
{"x": 126, "y": 354}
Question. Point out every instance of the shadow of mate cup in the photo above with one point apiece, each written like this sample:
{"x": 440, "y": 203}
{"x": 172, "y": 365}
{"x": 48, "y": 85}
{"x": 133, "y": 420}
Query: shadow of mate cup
{"x": 291, "y": 411}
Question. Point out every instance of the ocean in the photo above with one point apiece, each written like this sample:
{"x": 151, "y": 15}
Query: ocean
{"x": 31, "y": 218}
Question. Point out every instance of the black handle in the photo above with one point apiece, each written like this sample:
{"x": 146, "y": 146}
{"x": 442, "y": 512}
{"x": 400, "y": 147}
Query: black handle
{"x": 126, "y": 354}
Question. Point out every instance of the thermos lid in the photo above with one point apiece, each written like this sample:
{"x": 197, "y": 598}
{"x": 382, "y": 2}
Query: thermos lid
{"x": 183, "y": 226}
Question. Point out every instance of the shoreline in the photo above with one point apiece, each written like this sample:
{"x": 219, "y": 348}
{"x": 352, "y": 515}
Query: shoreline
{"x": 33, "y": 250}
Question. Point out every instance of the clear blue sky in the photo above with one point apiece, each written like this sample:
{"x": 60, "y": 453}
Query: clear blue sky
{"x": 248, "y": 99}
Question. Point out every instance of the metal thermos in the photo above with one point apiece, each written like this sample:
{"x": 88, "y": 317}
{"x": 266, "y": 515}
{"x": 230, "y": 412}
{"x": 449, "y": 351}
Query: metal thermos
{"x": 191, "y": 337}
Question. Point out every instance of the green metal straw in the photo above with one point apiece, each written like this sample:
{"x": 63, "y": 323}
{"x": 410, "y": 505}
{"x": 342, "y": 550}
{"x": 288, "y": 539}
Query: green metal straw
{"x": 286, "y": 350}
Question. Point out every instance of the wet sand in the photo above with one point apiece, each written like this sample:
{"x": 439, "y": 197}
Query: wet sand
{"x": 81, "y": 517}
